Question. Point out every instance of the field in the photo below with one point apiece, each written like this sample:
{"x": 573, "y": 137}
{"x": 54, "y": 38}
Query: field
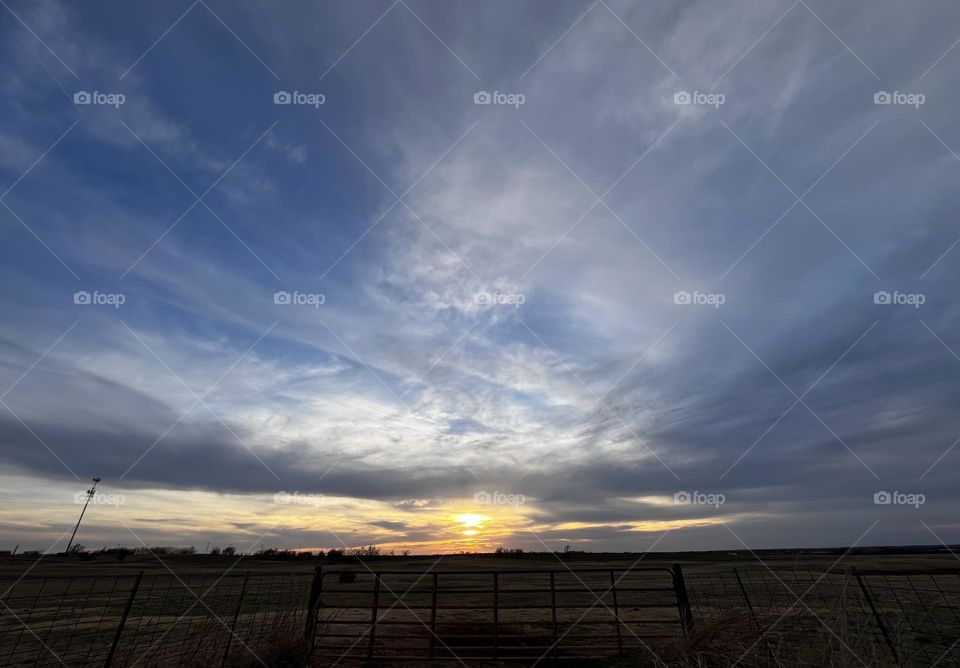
{"x": 691, "y": 561}
{"x": 790, "y": 609}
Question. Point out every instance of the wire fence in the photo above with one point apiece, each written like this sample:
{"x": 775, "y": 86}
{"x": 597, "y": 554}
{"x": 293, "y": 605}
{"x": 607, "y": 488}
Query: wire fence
{"x": 900, "y": 618}
{"x": 149, "y": 620}
{"x": 882, "y": 618}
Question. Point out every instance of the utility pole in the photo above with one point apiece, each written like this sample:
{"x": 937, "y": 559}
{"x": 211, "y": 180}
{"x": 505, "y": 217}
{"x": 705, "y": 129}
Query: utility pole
{"x": 90, "y": 493}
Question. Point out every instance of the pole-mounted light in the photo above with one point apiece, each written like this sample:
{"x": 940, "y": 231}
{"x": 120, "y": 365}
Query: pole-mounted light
{"x": 90, "y": 493}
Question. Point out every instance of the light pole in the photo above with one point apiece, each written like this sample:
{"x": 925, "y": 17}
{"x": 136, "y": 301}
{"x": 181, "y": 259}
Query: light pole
{"x": 90, "y": 493}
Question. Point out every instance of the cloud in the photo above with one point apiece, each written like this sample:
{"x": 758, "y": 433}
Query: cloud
{"x": 596, "y": 201}
{"x": 295, "y": 153}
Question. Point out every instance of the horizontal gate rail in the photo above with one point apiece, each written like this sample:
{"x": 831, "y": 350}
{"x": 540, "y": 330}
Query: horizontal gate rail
{"x": 510, "y": 614}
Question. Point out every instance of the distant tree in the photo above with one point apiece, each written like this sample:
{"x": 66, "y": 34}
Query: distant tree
{"x": 508, "y": 552}
{"x": 366, "y": 551}
{"x": 165, "y": 549}
{"x": 404, "y": 553}
{"x": 334, "y": 554}
{"x": 215, "y": 551}
{"x": 229, "y": 551}
{"x": 119, "y": 553}
{"x": 77, "y": 549}
{"x": 274, "y": 553}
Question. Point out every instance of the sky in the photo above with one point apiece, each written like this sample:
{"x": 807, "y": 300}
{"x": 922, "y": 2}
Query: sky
{"x": 451, "y": 276}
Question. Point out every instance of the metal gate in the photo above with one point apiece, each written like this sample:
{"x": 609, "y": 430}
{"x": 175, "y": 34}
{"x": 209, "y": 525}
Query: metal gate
{"x": 519, "y": 615}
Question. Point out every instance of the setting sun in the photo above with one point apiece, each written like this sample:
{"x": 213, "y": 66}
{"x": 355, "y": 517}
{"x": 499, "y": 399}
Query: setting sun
{"x": 471, "y": 523}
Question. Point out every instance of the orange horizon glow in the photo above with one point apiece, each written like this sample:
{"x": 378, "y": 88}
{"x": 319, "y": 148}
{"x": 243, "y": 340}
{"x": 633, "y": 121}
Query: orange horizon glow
{"x": 305, "y": 523}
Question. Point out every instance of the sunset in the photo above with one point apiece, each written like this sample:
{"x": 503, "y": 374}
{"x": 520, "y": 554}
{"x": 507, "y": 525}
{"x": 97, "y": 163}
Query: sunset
{"x": 490, "y": 293}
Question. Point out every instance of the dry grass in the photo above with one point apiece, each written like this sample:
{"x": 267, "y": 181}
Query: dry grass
{"x": 738, "y": 640}
{"x": 725, "y": 642}
{"x": 278, "y": 643}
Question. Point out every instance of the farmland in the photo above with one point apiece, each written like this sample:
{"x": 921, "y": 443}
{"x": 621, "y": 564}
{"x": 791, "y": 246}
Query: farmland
{"x": 928, "y": 558}
{"x": 479, "y": 608}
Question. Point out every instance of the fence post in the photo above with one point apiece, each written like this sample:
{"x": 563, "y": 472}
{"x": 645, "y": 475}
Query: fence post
{"x": 553, "y": 612}
{"x": 616, "y": 611}
{"x": 233, "y": 622}
{"x": 876, "y": 616}
{"x": 753, "y": 615}
{"x": 313, "y": 610}
{"x": 374, "y": 611}
{"x": 123, "y": 619}
{"x": 496, "y": 615}
{"x": 683, "y": 603}
{"x": 433, "y": 617}
{"x": 746, "y": 599}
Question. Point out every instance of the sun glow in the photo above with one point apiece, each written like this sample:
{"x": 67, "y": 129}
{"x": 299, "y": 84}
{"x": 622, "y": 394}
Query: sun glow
{"x": 471, "y": 523}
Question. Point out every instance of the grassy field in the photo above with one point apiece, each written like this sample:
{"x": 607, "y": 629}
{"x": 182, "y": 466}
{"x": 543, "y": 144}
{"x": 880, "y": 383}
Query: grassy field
{"x": 74, "y": 605}
{"x": 690, "y": 561}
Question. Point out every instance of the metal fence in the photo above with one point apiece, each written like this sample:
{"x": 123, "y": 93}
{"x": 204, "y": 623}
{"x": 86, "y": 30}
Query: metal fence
{"x": 148, "y": 620}
{"x": 506, "y": 615}
{"x": 881, "y": 617}
{"x": 897, "y": 618}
